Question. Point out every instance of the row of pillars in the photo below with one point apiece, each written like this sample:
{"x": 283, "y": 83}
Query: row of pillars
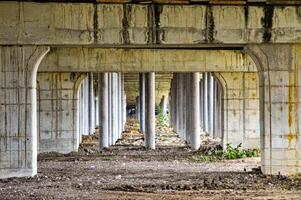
{"x": 185, "y": 107}
{"x": 146, "y": 108}
{"x": 211, "y": 94}
{"x": 112, "y": 108}
{"x": 87, "y": 108}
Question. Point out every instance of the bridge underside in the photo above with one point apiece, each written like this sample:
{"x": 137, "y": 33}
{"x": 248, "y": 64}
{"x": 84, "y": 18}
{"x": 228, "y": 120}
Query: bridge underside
{"x": 236, "y": 65}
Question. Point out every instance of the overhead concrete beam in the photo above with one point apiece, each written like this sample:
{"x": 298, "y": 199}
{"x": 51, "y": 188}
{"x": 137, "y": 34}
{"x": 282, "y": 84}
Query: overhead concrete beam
{"x": 92, "y": 23}
{"x": 145, "y": 60}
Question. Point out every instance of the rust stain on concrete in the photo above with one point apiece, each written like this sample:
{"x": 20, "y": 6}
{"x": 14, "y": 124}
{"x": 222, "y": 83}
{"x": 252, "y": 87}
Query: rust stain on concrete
{"x": 293, "y": 105}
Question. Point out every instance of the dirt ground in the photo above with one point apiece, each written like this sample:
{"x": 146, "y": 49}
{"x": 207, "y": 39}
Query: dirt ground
{"x": 129, "y": 171}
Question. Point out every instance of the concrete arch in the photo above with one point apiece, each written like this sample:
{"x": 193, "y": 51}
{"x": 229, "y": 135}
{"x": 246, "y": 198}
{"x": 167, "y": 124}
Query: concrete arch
{"x": 58, "y": 111}
{"x": 19, "y": 69}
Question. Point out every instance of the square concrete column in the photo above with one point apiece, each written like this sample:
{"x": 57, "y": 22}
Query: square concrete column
{"x": 150, "y": 132}
{"x": 142, "y": 101}
{"x": 103, "y": 101}
{"x": 195, "y": 117}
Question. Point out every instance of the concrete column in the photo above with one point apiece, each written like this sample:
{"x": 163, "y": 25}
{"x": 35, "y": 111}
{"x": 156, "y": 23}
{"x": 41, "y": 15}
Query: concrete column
{"x": 206, "y": 124}
{"x": 18, "y": 135}
{"x": 211, "y": 105}
{"x": 195, "y": 118}
{"x": 91, "y": 125}
{"x": 150, "y": 132}
{"x": 138, "y": 108}
{"x": 120, "y": 105}
{"x": 188, "y": 110}
{"x": 123, "y": 103}
{"x": 202, "y": 101}
{"x": 103, "y": 99}
{"x": 142, "y": 101}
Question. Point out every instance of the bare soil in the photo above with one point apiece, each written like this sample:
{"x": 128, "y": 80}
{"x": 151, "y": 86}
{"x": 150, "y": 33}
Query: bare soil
{"x": 130, "y": 172}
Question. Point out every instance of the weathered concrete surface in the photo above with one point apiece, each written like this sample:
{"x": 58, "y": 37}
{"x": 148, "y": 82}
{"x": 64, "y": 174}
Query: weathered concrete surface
{"x": 145, "y": 60}
{"x": 279, "y": 100}
{"x": 18, "y": 119}
{"x": 241, "y": 108}
{"x": 111, "y": 24}
{"x": 58, "y": 112}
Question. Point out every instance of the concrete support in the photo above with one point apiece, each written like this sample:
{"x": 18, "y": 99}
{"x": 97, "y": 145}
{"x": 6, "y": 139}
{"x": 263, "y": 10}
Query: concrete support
{"x": 103, "y": 92}
{"x": 138, "y": 108}
{"x": 195, "y": 117}
{"x": 18, "y": 106}
{"x": 58, "y": 111}
{"x": 123, "y": 104}
{"x": 91, "y": 112}
{"x": 142, "y": 101}
{"x": 150, "y": 132}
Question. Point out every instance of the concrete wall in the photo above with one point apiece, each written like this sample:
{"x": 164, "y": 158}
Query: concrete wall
{"x": 241, "y": 108}
{"x": 57, "y": 112}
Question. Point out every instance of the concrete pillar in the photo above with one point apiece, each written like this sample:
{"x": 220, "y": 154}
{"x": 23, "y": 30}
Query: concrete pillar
{"x": 211, "y": 104}
{"x": 103, "y": 94}
{"x": 137, "y": 108}
{"x": 195, "y": 118}
{"x": 188, "y": 111}
{"x": 123, "y": 103}
{"x": 91, "y": 124}
{"x": 150, "y": 132}
{"x": 120, "y": 105}
{"x": 202, "y": 101}
{"x": 206, "y": 115}
{"x": 18, "y": 135}
{"x": 142, "y": 101}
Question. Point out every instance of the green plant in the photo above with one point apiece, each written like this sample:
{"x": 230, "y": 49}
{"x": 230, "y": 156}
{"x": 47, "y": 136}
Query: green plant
{"x": 235, "y": 152}
{"x": 161, "y": 117}
{"x": 230, "y": 152}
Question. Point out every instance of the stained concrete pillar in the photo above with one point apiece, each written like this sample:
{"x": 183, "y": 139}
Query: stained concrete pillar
{"x": 103, "y": 93}
{"x": 142, "y": 101}
{"x": 150, "y": 132}
{"x": 195, "y": 118}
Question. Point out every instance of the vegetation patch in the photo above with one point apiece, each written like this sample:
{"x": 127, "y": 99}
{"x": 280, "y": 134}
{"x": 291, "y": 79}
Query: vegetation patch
{"x": 230, "y": 153}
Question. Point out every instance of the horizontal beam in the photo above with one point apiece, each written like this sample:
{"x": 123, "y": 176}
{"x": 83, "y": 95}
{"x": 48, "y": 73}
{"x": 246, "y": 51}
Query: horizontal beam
{"x": 178, "y": 2}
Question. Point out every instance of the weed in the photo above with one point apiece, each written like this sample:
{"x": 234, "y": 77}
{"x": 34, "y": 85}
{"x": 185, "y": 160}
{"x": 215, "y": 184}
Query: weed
{"x": 108, "y": 158}
{"x": 229, "y": 153}
{"x": 161, "y": 117}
